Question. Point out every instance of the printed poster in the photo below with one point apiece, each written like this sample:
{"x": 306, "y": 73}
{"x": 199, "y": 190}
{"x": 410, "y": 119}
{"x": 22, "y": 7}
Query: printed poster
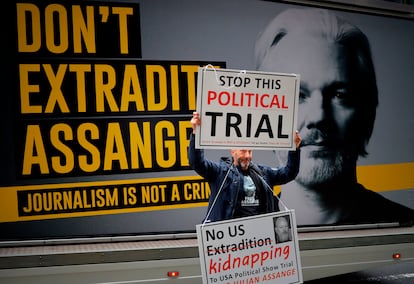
{"x": 257, "y": 249}
{"x": 246, "y": 109}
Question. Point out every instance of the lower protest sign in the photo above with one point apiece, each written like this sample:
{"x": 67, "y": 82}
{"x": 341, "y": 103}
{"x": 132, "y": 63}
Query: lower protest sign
{"x": 257, "y": 249}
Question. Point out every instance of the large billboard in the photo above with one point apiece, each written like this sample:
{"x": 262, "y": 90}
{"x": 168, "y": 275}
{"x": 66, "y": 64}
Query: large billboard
{"x": 97, "y": 101}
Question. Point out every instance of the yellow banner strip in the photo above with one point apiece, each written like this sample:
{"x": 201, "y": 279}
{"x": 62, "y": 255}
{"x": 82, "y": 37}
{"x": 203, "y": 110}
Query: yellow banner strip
{"x": 378, "y": 178}
{"x": 9, "y": 203}
{"x": 387, "y": 177}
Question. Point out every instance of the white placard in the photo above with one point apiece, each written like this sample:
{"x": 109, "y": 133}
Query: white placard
{"x": 247, "y": 250}
{"x": 246, "y": 109}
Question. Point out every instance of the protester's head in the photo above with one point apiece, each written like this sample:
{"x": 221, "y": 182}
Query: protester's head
{"x": 242, "y": 157}
{"x": 282, "y": 229}
{"x": 338, "y": 95}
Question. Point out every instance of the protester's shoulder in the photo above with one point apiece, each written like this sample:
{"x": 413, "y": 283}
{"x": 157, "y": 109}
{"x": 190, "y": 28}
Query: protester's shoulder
{"x": 225, "y": 162}
{"x": 265, "y": 169}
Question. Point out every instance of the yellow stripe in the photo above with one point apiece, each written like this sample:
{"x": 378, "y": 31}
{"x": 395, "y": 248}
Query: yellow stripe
{"x": 9, "y": 203}
{"x": 387, "y": 177}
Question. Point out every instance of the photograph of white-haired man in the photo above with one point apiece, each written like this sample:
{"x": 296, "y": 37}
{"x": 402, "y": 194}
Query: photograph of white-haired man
{"x": 337, "y": 109}
{"x": 282, "y": 227}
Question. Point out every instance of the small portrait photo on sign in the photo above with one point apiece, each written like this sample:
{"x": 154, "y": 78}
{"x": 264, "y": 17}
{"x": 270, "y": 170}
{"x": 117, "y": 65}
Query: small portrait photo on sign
{"x": 283, "y": 231}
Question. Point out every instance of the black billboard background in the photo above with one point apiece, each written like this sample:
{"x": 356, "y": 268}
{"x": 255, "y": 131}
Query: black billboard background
{"x": 185, "y": 47}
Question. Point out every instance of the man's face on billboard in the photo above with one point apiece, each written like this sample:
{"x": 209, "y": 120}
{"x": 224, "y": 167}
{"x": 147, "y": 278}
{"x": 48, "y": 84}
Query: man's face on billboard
{"x": 327, "y": 107}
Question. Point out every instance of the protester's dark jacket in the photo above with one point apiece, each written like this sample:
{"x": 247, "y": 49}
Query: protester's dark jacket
{"x": 225, "y": 175}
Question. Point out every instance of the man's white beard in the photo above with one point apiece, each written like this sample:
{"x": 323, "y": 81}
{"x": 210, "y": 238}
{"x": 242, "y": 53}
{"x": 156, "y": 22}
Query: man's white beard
{"x": 244, "y": 164}
{"x": 316, "y": 171}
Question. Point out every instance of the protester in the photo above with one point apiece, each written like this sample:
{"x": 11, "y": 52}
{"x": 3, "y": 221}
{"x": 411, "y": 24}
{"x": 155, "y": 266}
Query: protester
{"x": 238, "y": 186}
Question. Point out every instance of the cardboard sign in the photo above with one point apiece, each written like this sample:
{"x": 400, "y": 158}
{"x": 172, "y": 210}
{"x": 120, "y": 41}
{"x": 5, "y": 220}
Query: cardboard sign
{"x": 258, "y": 249}
{"x": 246, "y": 109}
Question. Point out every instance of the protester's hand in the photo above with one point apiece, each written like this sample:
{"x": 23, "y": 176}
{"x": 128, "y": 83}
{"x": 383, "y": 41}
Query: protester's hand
{"x": 195, "y": 121}
{"x": 297, "y": 139}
